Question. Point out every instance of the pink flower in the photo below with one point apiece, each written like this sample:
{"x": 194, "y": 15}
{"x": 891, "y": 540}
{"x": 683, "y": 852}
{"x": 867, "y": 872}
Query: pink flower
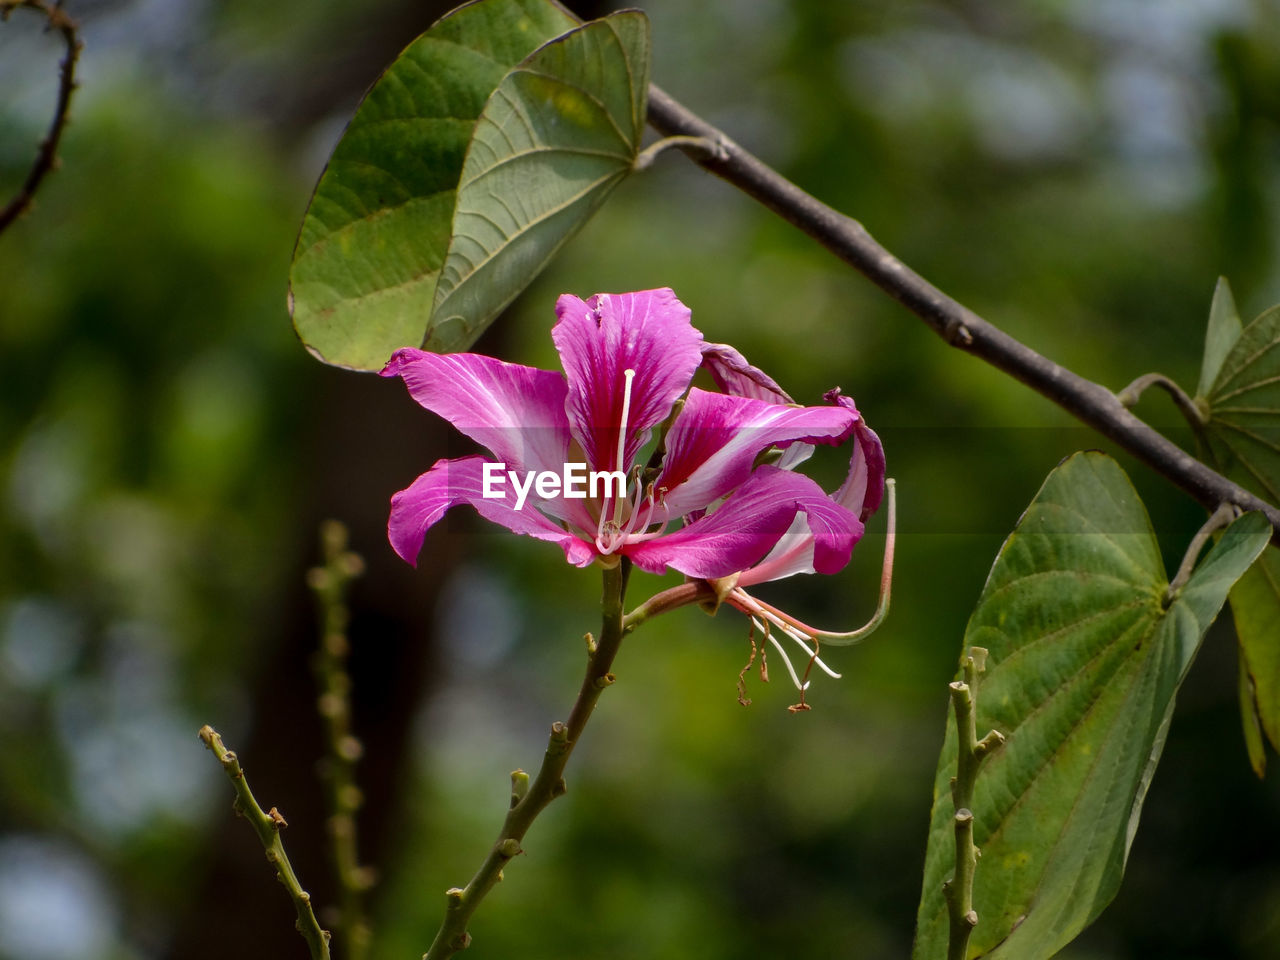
{"x": 628, "y": 359}
{"x": 861, "y": 494}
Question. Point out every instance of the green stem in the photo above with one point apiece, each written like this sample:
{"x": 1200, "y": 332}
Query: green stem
{"x": 528, "y": 799}
{"x": 972, "y": 751}
{"x": 342, "y": 749}
{"x": 268, "y": 826}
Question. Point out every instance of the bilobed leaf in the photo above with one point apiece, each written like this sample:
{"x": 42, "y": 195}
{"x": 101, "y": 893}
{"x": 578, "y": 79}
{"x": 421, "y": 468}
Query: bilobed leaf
{"x": 1084, "y": 662}
{"x": 1244, "y": 404}
{"x": 1255, "y": 605}
{"x": 375, "y": 235}
{"x": 1221, "y": 335}
{"x": 1243, "y": 410}
{"x": 1244, "y": 420}
{"x": 559, "y": 133}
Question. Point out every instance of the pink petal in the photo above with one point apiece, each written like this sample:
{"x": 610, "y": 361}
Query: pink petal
{"x": 863, "y": 489}
{"x": 715, "y": 440}
{"x": 749, "y": 524}
{"x": 448, "y": 483}
{"x": 791, "y": 555}
{"x": 516, "y": 412}
{"x": 734, "y": 375}
{"x": 648, "y": 332}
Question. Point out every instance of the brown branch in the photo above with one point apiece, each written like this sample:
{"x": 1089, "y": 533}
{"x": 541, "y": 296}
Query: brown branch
{"x": 47, "y": 158}
{"x": 959, "y": 326}
{"x": 530, "y": 797}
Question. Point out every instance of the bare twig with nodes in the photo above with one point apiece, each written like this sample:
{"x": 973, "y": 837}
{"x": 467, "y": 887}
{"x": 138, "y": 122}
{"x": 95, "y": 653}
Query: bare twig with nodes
{"x": 47, "y": 158}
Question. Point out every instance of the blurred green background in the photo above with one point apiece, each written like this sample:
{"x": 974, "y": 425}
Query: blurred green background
{"x": 1079, "y": 172}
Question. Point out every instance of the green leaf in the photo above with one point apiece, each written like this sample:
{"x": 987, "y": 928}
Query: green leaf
{"x": 376, "y": 233}
{"x": 1254, "y": 743}
{"x": 1222, "y": 334}
{"x": 1084, "y": 664}
{"x": 1244, "y": 404}
{"x": 1255, "y": 604}
{"x": 559, "y": 133}
{"x": 1243, "y": 408}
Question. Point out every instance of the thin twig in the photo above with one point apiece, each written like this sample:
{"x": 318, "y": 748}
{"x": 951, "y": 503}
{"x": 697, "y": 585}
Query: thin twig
{"x": 342, "y": 749}
{"x": 47, "y": 157}
{"x": 958, "y": 891}
{"x": 268, "y": 826}
{"x": 530, "y": 798}
{"x": 959, "y": 326}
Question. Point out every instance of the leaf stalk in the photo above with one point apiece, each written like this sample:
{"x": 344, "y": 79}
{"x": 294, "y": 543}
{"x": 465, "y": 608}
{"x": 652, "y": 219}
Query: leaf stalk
{"x": 1219, "y": 520}
{"x": 704, "y": 149}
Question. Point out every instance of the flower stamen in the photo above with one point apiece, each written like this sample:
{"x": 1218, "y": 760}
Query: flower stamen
{"x": 611, "y": 534}
{"x": 768, "y": 634}
{"x": 759, "y": 611}
{"x": 630, "y": 375}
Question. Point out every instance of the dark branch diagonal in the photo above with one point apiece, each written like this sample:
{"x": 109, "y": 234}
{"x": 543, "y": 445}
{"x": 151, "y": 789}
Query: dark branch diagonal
{"x": 959, "y": 326}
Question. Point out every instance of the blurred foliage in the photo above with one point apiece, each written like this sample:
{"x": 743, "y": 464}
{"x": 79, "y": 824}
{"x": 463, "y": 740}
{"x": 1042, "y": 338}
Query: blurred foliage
{"x": 1079, "y": 173}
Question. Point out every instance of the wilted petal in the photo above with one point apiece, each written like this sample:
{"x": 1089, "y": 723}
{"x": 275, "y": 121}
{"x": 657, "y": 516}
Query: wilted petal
{"x": 648, "y": 332}
{"x": 863, "y": 489}
{"x": 749, "y": 524}
{"x": 715, "y": 440}
{"x": 734, "y": 375}
{"x": 417, "y": 508}
{"x": 516, "y": 412}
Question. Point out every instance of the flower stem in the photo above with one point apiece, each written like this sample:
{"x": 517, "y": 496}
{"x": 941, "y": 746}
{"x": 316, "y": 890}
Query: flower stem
{"x": 342, "y": 749}
{"x": 268, "y": 826}
{"x": 696, "y": 591}
{"x": 530, "y": 798}
{"x": 959, "y": 889}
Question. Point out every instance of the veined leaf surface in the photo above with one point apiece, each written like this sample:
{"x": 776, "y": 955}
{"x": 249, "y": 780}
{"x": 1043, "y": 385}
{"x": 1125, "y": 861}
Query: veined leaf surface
{"x": 1244, "y": 404}
{"x": 1255, "y": 604}
{"x": 559, "y": 133}
{"x": 1220, "y": 336}
{"x": 376, "y": 233}
{"x": 1084, "y": 662}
